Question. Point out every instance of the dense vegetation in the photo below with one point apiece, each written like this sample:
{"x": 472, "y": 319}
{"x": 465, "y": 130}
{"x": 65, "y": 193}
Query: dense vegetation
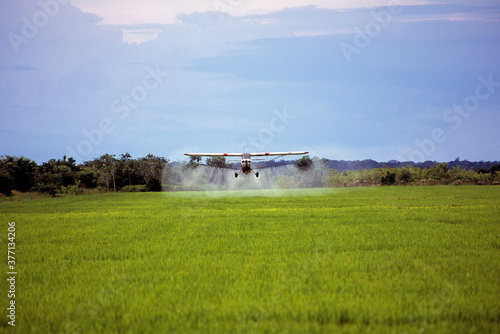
{"x": 152, "y": 173}
{"x": 350, "y": 260}
{"x": 106, "y": 173}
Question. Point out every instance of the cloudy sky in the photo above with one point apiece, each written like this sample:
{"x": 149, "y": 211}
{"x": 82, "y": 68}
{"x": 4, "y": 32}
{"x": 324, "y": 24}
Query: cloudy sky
{"x": 373, "y": 79}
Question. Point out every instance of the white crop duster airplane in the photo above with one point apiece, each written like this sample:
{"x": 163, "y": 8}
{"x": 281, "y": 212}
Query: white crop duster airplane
{"x": 246, "y": 158}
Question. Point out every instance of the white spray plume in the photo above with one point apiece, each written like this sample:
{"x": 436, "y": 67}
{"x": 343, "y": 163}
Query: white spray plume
{"x": 216, "y": 181}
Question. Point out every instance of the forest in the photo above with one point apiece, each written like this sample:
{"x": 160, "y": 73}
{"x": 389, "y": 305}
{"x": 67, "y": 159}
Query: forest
{"x": 110, "y": 173}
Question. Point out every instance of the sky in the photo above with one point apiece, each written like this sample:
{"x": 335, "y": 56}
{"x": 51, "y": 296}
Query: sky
{"x": 374, "y": 79}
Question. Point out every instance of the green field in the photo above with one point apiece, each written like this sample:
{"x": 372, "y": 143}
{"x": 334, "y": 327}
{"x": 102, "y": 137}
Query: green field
{"x": 378, "y": 259}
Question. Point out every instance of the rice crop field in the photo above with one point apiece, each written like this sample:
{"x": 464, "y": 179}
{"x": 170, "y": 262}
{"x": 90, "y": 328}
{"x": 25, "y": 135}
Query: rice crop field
{"x": 351, "y": 260}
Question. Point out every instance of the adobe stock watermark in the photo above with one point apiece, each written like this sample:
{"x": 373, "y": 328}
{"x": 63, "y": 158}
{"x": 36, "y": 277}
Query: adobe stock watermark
{"x": 364, "y": 36}
{"x": 121, "y": 109}
{"x": 455, "y": 116}
{"x": 266, "y": 135}
{"x": 31, "y": 26}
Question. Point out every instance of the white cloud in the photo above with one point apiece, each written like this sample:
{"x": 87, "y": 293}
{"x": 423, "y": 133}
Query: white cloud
{"x": 323, "y": 32}
{"x": 166, "y": 12}
{"x": 129, "y": 12}
{"x": 138, "y": 36}
{"x": 483, "y": 16}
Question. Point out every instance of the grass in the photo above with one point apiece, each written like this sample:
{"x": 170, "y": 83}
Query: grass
{"x": 391, "y": 259}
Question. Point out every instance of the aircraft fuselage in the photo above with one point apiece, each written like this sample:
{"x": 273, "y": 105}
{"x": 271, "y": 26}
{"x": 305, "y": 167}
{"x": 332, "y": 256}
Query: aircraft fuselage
{"x": 246, "y": 163}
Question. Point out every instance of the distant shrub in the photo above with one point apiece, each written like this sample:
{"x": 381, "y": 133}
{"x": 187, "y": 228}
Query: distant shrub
{"x": 405, "y": 176}
{"x": 46, "y": 188}
{"x": 439, "y": 172}
{"x": 72, "y": 190}
{"x": 7, "y": 183}
{"x": 389, "y": 179}
{"x": 154, "y": 185}
{"x": 304, "y": 163}
{"x": 133, "y": 189}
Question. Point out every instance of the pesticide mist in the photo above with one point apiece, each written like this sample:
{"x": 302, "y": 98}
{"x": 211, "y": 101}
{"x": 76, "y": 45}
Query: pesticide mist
{"x": 181, "y": 177}
{"x": 205, "y": 183}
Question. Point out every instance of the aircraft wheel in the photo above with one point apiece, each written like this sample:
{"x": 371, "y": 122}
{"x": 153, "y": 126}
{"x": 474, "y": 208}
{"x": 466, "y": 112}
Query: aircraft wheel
{"x": 257, "y": 174}
{"x": 235, "y": 174}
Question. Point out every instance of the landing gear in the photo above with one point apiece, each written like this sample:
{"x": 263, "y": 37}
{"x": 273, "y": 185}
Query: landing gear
{"x": 257, "y": 174}
{"x": 236, "y": 174}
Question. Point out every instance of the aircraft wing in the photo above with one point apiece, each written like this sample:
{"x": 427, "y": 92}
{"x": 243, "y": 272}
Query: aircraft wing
{"x": 214, "y": 154}
{"x": 260, "y": 154}
{"x": 278, "y": 153}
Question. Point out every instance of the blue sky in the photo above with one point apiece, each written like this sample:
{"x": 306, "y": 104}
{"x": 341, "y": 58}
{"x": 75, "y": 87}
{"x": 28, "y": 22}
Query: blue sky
{"x": 406, "y": 80}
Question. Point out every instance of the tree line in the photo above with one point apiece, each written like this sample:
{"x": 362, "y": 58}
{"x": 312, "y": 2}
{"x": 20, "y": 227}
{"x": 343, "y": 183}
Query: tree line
{"x": 106, "y": 173}
{"x": 319, "y": 173}
{"x": 152, "y": 173}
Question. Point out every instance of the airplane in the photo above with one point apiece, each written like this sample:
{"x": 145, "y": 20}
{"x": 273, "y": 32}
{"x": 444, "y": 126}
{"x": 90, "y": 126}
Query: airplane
{"x": 246, "y": 159}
